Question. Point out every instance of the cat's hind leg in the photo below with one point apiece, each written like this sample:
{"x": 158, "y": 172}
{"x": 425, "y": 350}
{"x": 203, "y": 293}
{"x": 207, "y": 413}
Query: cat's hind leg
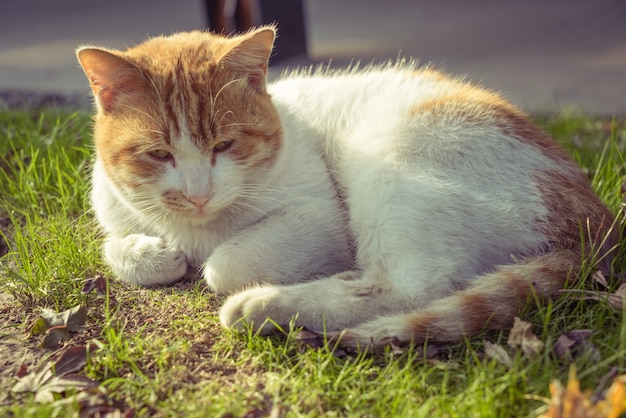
{"x": 491, "y": 301}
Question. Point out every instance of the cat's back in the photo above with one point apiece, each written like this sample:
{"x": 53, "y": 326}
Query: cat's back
{"x": 449, "y": 154}
{"x": 405, "y": 114}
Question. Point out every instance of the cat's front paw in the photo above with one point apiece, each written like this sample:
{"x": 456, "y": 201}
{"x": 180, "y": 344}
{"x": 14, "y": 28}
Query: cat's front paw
{"x": 254, "y": 308}
{"x": 145, "y": 260}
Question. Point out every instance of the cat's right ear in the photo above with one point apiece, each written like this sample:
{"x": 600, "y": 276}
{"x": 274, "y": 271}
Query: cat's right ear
{"x": 109, "y": 76}
{"x": 251, "y": 53}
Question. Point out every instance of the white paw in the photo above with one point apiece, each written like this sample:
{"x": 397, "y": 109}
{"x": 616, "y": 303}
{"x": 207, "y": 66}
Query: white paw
{"x": 144, "y": 260}
{"x": 229, "y": 270}
{"x": 223, "y": 284}
{"x": 256, "y": 308}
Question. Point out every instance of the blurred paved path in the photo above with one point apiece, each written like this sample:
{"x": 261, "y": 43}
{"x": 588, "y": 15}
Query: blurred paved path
{"x": 544, "y": 55}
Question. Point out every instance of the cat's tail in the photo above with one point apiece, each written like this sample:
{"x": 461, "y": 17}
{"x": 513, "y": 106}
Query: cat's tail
{"x": 490, "y": 302}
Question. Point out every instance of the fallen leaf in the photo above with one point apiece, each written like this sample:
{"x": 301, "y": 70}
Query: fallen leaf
{"x": 92, "y": 402}
{"x": 581, "y": 345}
{"x": 58, "y": 325}
{"x": 97, "y": 283}
{"x": 73, "y": 318}
{"x": 616, "y": 397}
{"x": 579, "y": 335}
{"x": 72, "y": 382}
{"x": 76, "y": 318}
{"x": 570, "y": 402}
{"x": 396, "y": 348}
{"x": 57, "y": 377}
{"x": 52, "y": 317}
{"x": 55, "y": 336}
{"x": 522, "y": 336}
{"x": 621, "y": 291}
{"x": 39, "y": 327}
{"x": 599, "y": 277}
{"x": 615, "y": 300}
{"x": 103, "y": 411}
{"x": 22, "y": 370}
{"x": 562, "y": 347}
{"x": 498, "y": 353}
{"x": 34, "y": 380}
{"x": 72, "y": 360}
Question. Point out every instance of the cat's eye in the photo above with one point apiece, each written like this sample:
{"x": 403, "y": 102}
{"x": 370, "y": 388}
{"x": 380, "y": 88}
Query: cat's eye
{"x": 160, "y": 154}
{"x": 222, "y": 146}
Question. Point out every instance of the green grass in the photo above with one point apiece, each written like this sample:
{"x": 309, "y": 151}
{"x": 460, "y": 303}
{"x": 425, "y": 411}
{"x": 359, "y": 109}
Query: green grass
{"x": 162, "y": 352}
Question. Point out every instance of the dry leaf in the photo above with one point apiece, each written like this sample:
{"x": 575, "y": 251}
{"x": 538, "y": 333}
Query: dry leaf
{"x": 599, "y": 277}
{"x": 616, "y": 397}
{"x": 621, "y": 291}
{"x": 76, "y": 318}
{"x": 498, "y": 353}
{"x": 22, "y": 370}
{"x": 575, "y": 343}
{"x": 58, "y": 325}
{"x": 72, "y": 382}
{"x": 72, "y": 360}
{"x": 97, "y": 283}
{"x": 73, "y": 318}
{"x": 570, "y": 402}
{"x": 55, "y": 336}
{"x": 562, "y": 347}
{"x": 39, "y": 327}
{"x": 34, "y": 380}
{"x": 615, "y": 300}
{"x": 57, "y": 377}
{"x": 522, "y": 336}
{"x": 92, "y": 402}
{"x": 397, "y": 349}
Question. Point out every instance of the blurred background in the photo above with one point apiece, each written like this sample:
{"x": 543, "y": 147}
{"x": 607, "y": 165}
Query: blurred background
{"x": 543, "y": 55}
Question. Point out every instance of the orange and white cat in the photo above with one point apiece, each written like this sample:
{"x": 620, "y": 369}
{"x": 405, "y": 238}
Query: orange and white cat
{"x": 389, "y": 202}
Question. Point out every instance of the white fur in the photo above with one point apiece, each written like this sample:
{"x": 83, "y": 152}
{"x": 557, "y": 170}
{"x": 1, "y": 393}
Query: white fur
{"x": 432, "y": 204}
{"x": 429, "y": 204}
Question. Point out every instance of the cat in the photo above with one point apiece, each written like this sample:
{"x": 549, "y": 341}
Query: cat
{"x": 392, "y": 202}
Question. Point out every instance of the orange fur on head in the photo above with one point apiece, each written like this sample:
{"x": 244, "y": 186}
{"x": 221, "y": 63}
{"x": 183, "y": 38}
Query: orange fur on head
{"x": 206, "y": 87}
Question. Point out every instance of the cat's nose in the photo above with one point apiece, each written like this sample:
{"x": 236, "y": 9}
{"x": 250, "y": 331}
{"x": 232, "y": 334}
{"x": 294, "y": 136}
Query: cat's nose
{"x": 199, "y": 201}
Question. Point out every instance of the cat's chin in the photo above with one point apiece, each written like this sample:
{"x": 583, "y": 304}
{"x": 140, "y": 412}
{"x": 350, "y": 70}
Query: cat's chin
{"x": 199, "y": 219}
{"x": 192, "y": 216}
{"x": 196, "y": 220}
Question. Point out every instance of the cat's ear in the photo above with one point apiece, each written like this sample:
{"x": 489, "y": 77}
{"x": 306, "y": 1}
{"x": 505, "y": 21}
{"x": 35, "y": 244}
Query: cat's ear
{"x": 251, "y": 54}
{"x": 110, "y": 76}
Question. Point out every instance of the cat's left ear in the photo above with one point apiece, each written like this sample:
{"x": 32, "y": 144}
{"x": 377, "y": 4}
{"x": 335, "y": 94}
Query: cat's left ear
{"x": 251, "y": 54}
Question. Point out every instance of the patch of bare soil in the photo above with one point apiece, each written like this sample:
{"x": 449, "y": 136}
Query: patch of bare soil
{"x": 150, "y": 313}
{"x": 15, "y": 345}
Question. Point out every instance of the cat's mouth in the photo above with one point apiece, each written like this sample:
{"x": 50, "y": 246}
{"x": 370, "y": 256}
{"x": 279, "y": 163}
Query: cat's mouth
{"x": 195, "y": 215}
{"x": 196, "y": 210}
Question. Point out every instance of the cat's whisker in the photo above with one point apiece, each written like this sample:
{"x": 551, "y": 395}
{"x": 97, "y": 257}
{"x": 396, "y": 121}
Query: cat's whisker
{"x": 156, "y": 131}
{"x": 235, "y": 125}
{"x": 213, "y": 101}
{"x": 161, "y": 102}
{"x": 219, "y": 92}
{"x": 219, "y": 122}
{"x": 141, "y": 112}
{"x": 242, "y": 209}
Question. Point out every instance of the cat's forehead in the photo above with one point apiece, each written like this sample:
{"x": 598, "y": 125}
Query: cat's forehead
{"x": 189, "y": 49}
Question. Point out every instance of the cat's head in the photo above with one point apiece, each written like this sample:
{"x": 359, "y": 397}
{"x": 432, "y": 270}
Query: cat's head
{"x": 184, "y": 125}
